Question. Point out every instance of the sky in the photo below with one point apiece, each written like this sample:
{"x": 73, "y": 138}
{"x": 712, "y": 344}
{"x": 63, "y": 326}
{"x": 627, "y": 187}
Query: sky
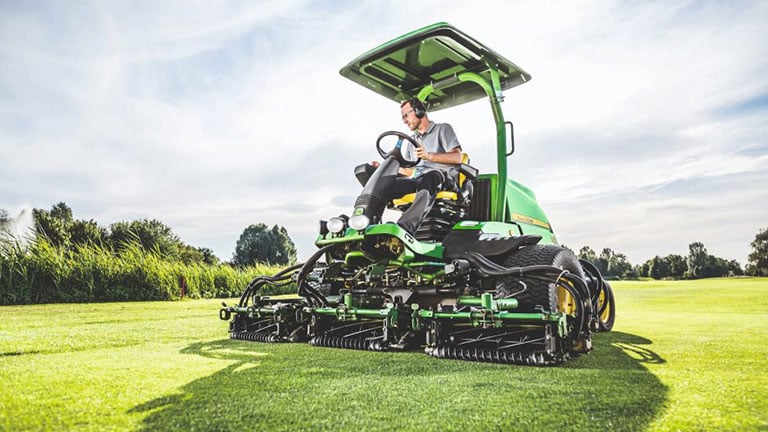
{"x": 644, "y": 127}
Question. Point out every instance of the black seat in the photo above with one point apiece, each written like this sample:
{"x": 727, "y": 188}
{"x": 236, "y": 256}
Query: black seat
{"x": 451, "y": 203}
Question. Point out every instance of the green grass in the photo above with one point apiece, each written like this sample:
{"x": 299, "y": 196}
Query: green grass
{"x": 686, "y": 355}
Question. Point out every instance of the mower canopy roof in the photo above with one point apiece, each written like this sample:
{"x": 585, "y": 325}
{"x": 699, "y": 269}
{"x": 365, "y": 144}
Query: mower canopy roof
{"x": 433, "y": 56}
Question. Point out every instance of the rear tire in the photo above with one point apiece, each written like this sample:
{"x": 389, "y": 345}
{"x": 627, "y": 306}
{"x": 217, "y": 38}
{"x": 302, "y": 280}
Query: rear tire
{"x": 536, "y": 295}
{"x": 607, "y": 303}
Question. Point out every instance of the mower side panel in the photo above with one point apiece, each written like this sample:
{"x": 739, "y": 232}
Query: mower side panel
{"x": 523, "y": 209}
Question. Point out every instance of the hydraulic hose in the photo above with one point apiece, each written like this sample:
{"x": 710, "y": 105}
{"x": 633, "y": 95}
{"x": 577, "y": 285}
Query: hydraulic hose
{"x": 304, "y": 288}
{"x": 277, "y": 279}
{"x": 580, "y": 306}
{"x": 487, "y": 267}
{"x": 575, "y": 286}
{"x": 594, "y": 273}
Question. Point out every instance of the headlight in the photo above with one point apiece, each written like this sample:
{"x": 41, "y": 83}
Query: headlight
{"x": 359, "y": 222}
{"x": 336, "y": 225}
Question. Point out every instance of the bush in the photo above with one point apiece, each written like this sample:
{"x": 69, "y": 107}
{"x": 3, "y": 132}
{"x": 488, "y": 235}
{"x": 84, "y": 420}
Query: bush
{"x": 47, "y": 273}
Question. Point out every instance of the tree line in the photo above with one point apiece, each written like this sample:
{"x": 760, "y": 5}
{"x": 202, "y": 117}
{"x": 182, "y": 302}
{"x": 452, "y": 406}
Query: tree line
{"x": 47, "y": 256}
{"x": 258, "y": 244}
{"x": 696, "y": 265}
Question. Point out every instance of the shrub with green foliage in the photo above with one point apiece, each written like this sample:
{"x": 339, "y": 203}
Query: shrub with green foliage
{"x": 61, "y": 229}
{"x": 48, "y": 273}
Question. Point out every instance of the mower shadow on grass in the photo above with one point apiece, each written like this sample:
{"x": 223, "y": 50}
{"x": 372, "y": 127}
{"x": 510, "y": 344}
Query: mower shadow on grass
{"x": 298, "y": 387}
{"x": 617, "y": 350}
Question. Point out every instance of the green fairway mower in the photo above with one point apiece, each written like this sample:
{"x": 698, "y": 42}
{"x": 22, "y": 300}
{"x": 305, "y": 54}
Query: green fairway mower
{"x": 483, "y": 278}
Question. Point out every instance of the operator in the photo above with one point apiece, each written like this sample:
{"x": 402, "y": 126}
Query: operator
{"x": 440, "y": 155}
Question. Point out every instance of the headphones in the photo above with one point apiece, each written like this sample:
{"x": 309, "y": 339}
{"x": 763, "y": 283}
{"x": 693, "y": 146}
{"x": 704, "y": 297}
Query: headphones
{"x": 419, "y": 110}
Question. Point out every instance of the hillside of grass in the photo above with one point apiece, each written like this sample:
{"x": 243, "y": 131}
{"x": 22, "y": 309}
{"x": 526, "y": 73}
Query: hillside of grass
{"x": 684, "y": 355}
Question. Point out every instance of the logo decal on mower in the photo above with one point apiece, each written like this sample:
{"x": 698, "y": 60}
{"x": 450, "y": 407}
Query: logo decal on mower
{"x": 409, "y": 238}
{"x": 529, "y": 220}
{"x": 491, "y": 236}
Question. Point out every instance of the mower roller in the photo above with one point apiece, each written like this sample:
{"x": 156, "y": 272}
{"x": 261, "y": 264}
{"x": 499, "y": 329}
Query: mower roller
{"x": 483, "y": 278}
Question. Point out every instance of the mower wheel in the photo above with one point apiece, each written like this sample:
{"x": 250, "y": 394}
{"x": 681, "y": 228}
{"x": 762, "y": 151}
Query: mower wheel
{"x": 607, "y": 308}
{"x": 536, "y": 293}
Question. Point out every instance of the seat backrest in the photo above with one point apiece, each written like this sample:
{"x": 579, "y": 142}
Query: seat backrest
{"x": 462, "y": 177}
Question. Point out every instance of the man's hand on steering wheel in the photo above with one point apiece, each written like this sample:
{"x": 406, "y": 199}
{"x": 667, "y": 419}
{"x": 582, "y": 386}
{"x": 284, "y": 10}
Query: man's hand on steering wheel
{"x": 396, "y": 152}
{"x": 421, "y": 153}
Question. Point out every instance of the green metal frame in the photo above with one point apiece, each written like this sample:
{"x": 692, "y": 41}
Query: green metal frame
{"x": 486, "y": 313}
{"x": 493, "y": 90}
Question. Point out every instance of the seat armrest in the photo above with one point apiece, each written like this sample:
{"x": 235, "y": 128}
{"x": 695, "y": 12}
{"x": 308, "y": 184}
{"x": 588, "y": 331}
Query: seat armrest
{"x": 364, "y": 172}
{"x": 469, "y": 171}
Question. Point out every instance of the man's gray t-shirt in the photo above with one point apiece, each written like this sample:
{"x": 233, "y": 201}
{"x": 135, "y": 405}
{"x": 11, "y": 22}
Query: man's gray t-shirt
{"x": 438, "y": 138}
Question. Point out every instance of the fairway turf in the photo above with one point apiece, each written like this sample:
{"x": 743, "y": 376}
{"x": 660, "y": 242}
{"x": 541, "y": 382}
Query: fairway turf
{"x": 687, "y": 355}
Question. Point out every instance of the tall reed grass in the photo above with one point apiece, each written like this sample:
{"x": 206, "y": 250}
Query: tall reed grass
{"x": 44, "y": 273}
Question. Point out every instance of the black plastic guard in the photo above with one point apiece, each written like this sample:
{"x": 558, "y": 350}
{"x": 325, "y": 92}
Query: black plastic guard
{"x": 364, "y": 172}
{"x": 459, "y": 242}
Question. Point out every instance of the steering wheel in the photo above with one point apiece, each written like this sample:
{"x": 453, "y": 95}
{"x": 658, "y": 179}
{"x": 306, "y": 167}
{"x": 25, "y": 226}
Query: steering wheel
{"x": 396, "y": 152}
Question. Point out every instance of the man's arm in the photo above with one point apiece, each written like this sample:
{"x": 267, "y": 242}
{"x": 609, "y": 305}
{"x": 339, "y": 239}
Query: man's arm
{"x": 452, "y": 156}
{"x": 408, "y": 172}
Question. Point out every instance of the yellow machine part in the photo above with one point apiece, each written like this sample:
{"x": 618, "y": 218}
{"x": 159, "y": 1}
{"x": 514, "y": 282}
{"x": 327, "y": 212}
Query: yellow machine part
{"x": 603, "y": 300}
{"x": 446, "y": 195}
{"x": 565, "y": 302}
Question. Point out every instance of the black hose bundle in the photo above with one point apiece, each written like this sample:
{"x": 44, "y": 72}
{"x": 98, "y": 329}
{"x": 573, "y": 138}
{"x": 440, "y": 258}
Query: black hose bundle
{"x": 606, "y": 311}
{"x": 576, "y": 286}
{"x": 313, "y": 296}
{"x": 280, "y": 278}
{"x": 594, "y": 274}
{"x": 284, "y": 277}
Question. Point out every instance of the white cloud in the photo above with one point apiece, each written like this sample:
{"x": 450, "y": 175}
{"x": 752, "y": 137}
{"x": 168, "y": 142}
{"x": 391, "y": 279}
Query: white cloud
{"x": 211, "y": 116}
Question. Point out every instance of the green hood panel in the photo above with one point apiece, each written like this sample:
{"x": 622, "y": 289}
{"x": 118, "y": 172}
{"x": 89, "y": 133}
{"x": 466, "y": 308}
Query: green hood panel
{"x": 523, "y": 206}
{"x": 434, "y": 55}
